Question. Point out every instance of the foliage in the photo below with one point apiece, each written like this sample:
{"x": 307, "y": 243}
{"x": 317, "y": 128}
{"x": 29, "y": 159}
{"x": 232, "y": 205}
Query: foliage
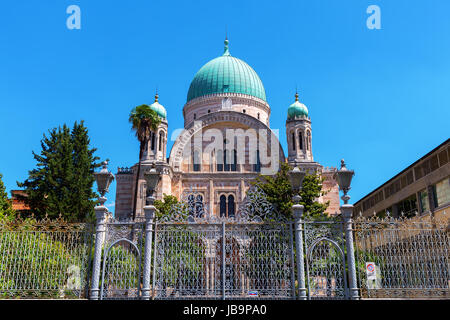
{"x": 6, "y": 209}
{"x": 143, "y": 121}
{"x": 271, "y": 259}
{"x": 165, "y": 206}
{"x": 62, "y": 182}
{"x": 41, "y": 263}
{"x": 122, "y": 270}
{"x": 181, "y": 261}
{"x": 279, "y": 192}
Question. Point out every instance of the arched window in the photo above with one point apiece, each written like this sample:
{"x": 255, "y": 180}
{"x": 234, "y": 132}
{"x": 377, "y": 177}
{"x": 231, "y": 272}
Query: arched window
{"x": 161, "y": 135}
{"x": 230, "y": 206}
{"x": 195, "y": 116}
{"x": 199, "y": 209}
{"x": 258, "y": 115}
{"x": 234, "y": 164}
{"x": 153, "y": 140}
{"x": 308, "y": 143}
{"x": 257, "y": 165}
{"x": 219, "y": 160}
{"x": 223, "y": 205}
{"x": 293, "y": 140}
{"x": 300, "y": 139}
{"x": 195, "y": 205}
{"x": 196, "y": 161}
{"x": 226, "y": 160}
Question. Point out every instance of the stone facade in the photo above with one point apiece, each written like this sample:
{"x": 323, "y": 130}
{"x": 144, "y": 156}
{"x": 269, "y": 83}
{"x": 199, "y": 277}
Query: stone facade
{"x": 225, "y": 144}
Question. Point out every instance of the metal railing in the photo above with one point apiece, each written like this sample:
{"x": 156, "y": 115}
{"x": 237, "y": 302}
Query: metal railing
{"x": 44, "y": 259}
{"x": 190, "y": 258}
{"x": 403, "y": 258}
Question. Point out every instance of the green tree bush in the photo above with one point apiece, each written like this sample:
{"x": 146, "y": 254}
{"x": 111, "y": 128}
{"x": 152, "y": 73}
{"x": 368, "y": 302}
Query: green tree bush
{"x": 6, "y": 210}
{"x": 279, "y": 192}
{"x": 61, "y": 185}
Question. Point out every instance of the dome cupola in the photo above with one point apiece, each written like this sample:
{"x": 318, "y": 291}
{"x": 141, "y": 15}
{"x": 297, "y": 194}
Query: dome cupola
{"x": 158, "y": 108}
{"x": 226, "y": 74}
{"x": 297, "y": 110}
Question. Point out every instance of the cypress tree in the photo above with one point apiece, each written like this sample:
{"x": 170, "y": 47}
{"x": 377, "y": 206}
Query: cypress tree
{"x": 84, "y": 163}
{"x": 62, "y": 182}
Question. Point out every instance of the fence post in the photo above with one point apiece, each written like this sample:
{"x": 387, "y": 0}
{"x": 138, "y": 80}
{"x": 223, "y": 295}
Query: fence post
{"x": 347, "y": 213}
{"x": 297, "y": 209}
{"x": 149, "y": 211}
{"x": 100, "y": 214}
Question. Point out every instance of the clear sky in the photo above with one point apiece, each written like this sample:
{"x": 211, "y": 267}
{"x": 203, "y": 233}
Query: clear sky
{"x": 378, "y": 98}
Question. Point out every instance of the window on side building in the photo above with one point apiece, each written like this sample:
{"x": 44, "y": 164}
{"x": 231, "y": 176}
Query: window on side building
{"x": 442, "y": 192}
{"x": 423, "y": 200}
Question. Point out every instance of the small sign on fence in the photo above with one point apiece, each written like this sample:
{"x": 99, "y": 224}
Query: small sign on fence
{"x": 371, "y": 271}
{"x": 253, "y": 293}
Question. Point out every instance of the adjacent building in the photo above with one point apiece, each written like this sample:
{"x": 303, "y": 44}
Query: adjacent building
{"x": 422, "y": 188}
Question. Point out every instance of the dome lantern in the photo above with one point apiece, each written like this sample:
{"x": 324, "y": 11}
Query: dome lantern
{"x": 158, "y": 108}
{"x": 297, "y": 109}
{"x": 226, "y": 74}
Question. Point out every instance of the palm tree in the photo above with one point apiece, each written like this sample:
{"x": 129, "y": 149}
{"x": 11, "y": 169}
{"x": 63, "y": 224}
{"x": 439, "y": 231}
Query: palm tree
{"x": 143, "y": 121}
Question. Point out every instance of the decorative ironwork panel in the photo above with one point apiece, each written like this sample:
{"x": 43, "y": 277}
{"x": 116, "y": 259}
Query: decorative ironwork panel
{"x": 258, "y": 261}
{"x": 44, "y": 259}
{"x": 121, "y": 275}
{"x": 246, "y": 255}
{"x": 325, "y": 260}
{"x": 403, "y": 258}
{"x": 186, "y": 261}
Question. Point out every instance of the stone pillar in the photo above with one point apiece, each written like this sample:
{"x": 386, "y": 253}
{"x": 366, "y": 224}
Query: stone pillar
{"x": 347, "y": 212}
{"x": 100, "y": 228}
{"x": 297, "y": 208}
{"x": 149, "y": 211}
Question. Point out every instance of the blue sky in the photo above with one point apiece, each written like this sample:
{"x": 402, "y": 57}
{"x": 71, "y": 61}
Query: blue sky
{"x": 378, "y": 98}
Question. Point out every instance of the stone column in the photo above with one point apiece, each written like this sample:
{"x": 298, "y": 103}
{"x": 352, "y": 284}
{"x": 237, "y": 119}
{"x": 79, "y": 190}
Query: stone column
{"x": 297, "y": 208}
{"x": 100, "y": 228}
{"x": 347, "y": 212}
{"x": 149, "y": 211}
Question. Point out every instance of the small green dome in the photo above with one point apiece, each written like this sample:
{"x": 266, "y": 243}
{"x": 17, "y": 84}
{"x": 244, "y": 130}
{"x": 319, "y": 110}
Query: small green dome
{"x": 297, "y": 110}
{"x": 226, "y": 74}
{"x": 158, "y": 108}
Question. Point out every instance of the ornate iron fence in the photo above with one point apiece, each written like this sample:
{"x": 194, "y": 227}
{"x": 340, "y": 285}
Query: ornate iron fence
{"x": 325, "y": 259}
{"x": 403, "y": 258}
{"x": 122, "y": 264}
{"x": 44, "y": 259}
{"x": 249, "y": 255}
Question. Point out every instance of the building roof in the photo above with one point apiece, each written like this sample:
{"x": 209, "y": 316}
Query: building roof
{"x": 402, "y": 172}
{"x": 226, "y": 74}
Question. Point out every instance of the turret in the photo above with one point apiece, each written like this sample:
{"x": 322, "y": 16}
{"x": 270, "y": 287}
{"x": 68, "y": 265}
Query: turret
{"x": 298, "y": 132}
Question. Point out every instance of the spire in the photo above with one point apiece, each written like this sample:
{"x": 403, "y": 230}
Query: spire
{"x": 226, "y": 52}
{"x": 296, "y": 95}
{"x": 156, "y": 95}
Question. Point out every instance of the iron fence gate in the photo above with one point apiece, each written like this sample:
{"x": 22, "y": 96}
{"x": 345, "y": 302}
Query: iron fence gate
{"x": 122, "y": 260}
{"x": 326, "y": 274}
{"x": 223, "y": 261}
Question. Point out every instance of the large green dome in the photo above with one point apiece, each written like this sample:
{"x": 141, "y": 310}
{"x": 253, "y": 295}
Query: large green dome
{"x": 226, "y": 74}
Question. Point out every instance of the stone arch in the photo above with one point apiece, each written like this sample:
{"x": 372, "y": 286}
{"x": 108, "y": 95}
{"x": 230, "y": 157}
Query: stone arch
{"x": 176, "y": 154}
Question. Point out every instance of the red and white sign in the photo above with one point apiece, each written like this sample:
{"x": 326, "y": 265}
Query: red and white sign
{"x": 371, "y": 271}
